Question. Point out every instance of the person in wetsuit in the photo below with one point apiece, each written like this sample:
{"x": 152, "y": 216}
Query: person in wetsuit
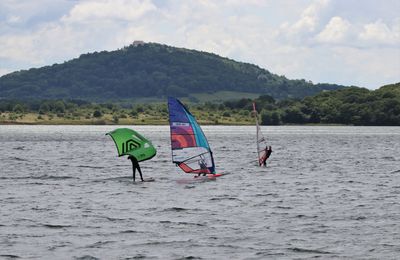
{"x": 268, "y": 151}
{"x": 203, "y": 166}
{"x": 135, "y": 165}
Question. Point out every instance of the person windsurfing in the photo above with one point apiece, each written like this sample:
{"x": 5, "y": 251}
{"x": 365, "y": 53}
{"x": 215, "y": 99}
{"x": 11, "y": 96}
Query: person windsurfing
{"x": 203, "y": 166}
{"x": 267, "y": 154}
{"x": 135, "y": 165}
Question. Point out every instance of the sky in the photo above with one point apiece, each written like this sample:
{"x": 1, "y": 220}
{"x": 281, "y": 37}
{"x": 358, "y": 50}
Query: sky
{"x": 348, "y": 42}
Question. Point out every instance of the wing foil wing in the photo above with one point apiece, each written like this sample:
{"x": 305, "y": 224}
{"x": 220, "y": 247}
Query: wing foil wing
{"x": 130, "y": 142}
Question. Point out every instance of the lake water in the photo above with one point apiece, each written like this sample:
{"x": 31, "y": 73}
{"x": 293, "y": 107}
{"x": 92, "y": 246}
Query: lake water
{"x": 328, "y": 193}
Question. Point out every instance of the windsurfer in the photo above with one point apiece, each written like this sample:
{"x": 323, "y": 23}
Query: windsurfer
{"x": 203, "y": 167}
{"x": 135, "y": 165}
{"x": 268, "y": 151}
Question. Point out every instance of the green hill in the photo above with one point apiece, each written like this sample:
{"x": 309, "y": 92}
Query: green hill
{"x": 150, "y": 70}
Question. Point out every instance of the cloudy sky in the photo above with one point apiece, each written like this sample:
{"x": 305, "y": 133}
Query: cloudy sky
{"x": 350, "y": 42}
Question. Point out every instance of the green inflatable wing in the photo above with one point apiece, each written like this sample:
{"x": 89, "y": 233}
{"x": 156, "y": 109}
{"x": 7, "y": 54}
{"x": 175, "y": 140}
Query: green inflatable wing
{"x": 130, "y": 142}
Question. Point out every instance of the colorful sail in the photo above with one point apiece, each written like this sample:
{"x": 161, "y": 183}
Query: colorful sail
{"x": 261, "y": 142}
{"x": 190, "y": 149}
{"x": 130, "y": 142}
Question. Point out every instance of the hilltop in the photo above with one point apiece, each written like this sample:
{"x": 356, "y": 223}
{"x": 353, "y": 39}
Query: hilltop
{"x": 152, "y": 71}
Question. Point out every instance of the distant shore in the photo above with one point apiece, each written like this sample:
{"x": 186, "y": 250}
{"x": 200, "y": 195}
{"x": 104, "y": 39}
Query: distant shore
{"x": 107, "y": 119}
{"x": 143, "y": 119}
{"x": 32, "y": 119}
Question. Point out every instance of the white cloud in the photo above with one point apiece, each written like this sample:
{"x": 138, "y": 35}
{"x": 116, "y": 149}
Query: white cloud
{"x": 18, "y": 48}
{"x": 308, "y": 22}
{"x": 380, "y": 33}
{"x": 109, "y": 10}
{"x": 88, "y": 26}
{"x": 247, "y": 2}
{"x": 335, "y": 31}
{"x": 372, "y": 68}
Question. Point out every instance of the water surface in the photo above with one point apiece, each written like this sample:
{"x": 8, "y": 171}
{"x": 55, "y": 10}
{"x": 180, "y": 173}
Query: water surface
{"x": 328, "y": 193}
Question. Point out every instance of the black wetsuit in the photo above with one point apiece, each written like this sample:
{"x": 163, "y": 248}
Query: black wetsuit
{"x": 203, "y": 166}
{"x": 268, "y": 151}
{"x": 135, "y": 165}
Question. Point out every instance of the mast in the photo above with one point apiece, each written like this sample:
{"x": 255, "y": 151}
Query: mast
{"x": 257, "y": 141}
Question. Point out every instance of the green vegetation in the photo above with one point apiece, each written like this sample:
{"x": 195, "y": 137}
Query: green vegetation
{"x": 82, "y": 112}
{"x": 350, "y": 106}
{"x": 151, "y": 72}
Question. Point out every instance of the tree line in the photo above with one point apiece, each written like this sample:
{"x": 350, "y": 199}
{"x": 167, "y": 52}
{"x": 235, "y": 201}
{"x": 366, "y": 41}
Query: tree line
{"x": 349, "y": 106}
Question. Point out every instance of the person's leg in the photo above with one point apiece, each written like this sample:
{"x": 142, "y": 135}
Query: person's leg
{"x": 133, "y": 173}
{"x": 140, "y": 172}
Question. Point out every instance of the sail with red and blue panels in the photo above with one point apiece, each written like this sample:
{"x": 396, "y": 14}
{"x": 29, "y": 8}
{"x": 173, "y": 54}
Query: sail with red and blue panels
{"x": 190, "y": 149}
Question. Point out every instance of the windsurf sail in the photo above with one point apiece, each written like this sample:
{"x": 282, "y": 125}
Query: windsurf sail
{"x": 130, "y": 142}
{"x": 261, "y": 142}
{"x": 190, "y": 149}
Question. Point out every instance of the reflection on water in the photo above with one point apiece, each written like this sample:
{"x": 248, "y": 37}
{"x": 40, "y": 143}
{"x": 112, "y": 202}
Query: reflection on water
{"x": 328, "y": 192}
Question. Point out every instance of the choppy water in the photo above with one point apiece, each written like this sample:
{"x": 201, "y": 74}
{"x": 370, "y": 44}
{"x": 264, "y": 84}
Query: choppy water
{"x": 328, "y": 193}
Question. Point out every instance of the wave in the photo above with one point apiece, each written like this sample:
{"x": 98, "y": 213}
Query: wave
{"x": 176, "y": 209}
{"x": 269, "y": 254}
{"x": 283, "y": 207}
{"x": 189, "y": 257}
{"x": 10, "y": 256}
{"x": 86, "y": 257}
{"x": 56, "y": 226}
{"x": 114, "y": 219}
{"x": 90, "y": 167}
{"x": 18, "y": 159}
{"x": 265, "y": 194}
{"x": 388, "y": 158}
{"x": 52, "y": 177}
{"x": 193, "y": 181}
{"x": 121, "y": 178}
{"x": 182, "y": 223}
{"x": 305, "y": 250}
{"x": 99, "y": 244}
{"x": 305, "y": 216}
{"x": 42, "y": 177}
{"x": 358, "y": 218}
{"x": 191, "y": 224}
{"x": 224, "y": 198}
{"x": 129, "y": 231}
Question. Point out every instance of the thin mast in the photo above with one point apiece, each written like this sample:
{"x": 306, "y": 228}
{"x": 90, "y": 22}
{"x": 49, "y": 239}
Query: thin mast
{"x": 258, "y": 145}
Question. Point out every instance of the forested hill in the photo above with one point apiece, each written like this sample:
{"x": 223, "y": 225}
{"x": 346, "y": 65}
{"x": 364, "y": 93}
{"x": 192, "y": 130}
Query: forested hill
{"x": 150, "y": 70}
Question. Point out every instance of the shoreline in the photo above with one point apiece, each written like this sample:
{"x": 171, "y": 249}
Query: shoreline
{"x": 109, "y": 119}
{"x": 49, "y": 123}
{"x": 144, "y": 119}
